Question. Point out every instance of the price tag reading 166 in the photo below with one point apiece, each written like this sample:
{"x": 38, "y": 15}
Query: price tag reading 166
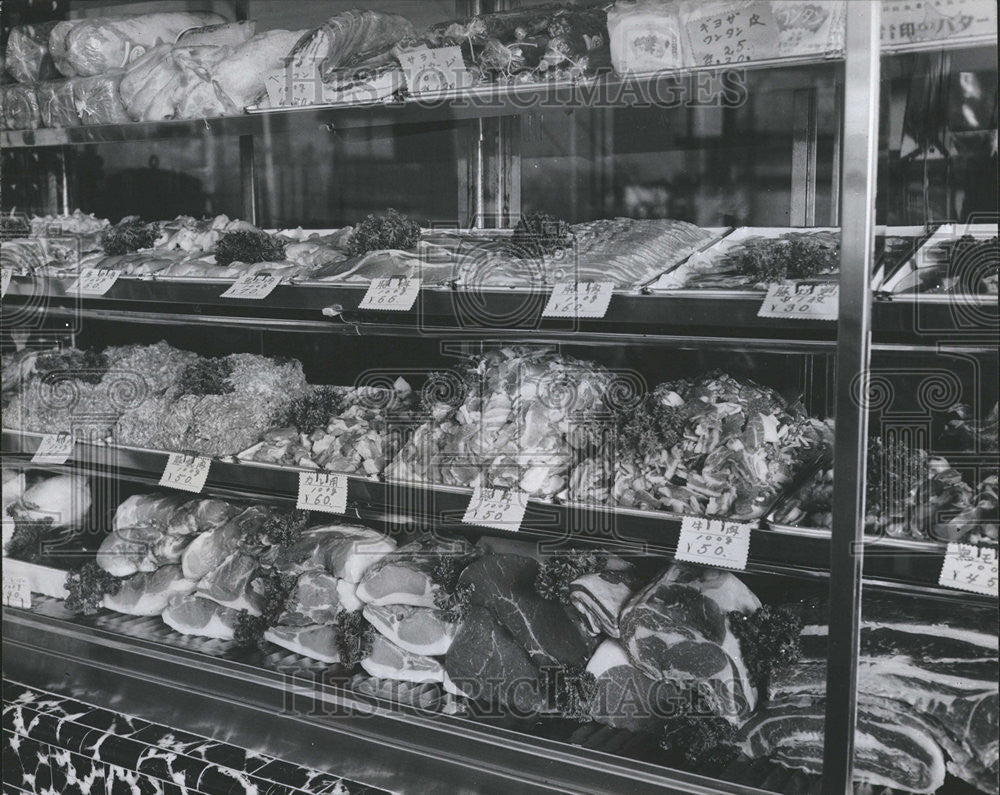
{"x": 970, "y": 568}
{"x": 186, "y": 472}
{"x": 713, "y": 542}
{"x": 322, "y": 491}
{"x": 393, "y": 294}
{"x": 501, "y": 509}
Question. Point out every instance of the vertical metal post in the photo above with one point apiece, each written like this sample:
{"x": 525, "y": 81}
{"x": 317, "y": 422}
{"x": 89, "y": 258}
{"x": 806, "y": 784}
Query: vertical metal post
{"x": 857, "y": 214}
{"x": 64, "y": 155}
{"x": 248, "y": 179}
{"x": 804, "y": 136}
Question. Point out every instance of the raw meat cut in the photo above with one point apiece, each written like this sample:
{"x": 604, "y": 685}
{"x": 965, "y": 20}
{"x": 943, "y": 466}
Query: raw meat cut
{"x": 624, "y": 697}
{"x": 600, "y": 598}
{"x": 147, "y": 593}
{"x": 192, "y": 615}
{"x": 142, "y": 510}
{"x": 315, "y": 599}
{"x": 128, "y": 550}
{"x": 676, "y": 628}
{"x": 314, "y": 641}
{"x": 347, "y": 551}
{"x": 404, "y": 577}
{"x": 419, "y": 630}
{"x": 208, "y": 550}
{"x": 388, "y": 661}
{"x": 230, "y": 584}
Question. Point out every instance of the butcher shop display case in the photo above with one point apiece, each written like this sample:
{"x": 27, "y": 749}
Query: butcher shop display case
{"x": 502, "y": 396}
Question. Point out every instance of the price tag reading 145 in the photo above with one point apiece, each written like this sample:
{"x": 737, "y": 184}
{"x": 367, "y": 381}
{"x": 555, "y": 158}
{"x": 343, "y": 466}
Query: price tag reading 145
{"x": 186, "y": 472}
{"x": 579, "y": 299}
{"x": 713, "y": 542}
{"x": 970, "y": 568}
{"x": 391, "y": 294}
{"x": 322, "y": 491}
{"x": 501, "y": 509}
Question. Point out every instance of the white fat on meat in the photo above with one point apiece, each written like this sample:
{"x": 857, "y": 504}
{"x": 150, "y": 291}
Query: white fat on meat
{"x": 193, "y": 615}
{"x": 317, "y": 642}
{"x": 230, "y": 584}
{"x": 147, "y": 593}
{"x": 388, "y": 661}
{"x": 420, "y": 630}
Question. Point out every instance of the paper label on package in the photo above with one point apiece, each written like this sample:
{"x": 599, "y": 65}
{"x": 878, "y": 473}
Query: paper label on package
{"x": 430, "y": 71}
{"x": 801, "y": 301}
{"x": 501, "y": 509}
{"x": 970, "y": 568}
{"x": 186, "y": 472}
{"x": 16, "y": 591}
{"x": 252, "y": 286}
{"x": 394, "y": 294}
{"x": 322, "y": 491}
{"x": 742, "y": 33}
{"x": 5, "y": 276}
{"x": 54, "y": 448}
{"x": 714, "y": 542}
{"x": 94, "y": 281}
{"x": 579, "y": 299}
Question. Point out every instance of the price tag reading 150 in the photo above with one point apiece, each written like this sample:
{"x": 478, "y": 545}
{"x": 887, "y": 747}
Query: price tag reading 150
{"x": 501, "y": 509}
{"x": 393, "y": 294}
{"x": 579, "y": 299}
{"x": 714, "y": 542}
{"x": 970, "y": 568}
{"x": 186, "y": 472}
{"x": 322, "y": 491}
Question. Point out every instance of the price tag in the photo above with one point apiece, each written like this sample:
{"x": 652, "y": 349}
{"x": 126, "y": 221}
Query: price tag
{"x": 501, "y": 509}
{"x": 714, "y": 542}
{"x": 322, "y": 491}
{"x": 579, "y": 299}
{"x": 54, "y": 448}
{"x": 394, "y": 294}
{"x": 186, "y": 472}
{"x": 801, "y": 301}
{"x": 428, "y": 71}
{"x": 16, "y": 591}
{"x": 252, "y": 286}
{"x": 738, "y": 34}
{"x": 94, "y": 281}
{"x": 5, "y": 277}
{"x": 970, "y": 568}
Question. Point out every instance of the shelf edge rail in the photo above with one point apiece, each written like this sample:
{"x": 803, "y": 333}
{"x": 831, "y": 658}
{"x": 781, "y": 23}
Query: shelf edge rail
{"x": 857, "y": 214}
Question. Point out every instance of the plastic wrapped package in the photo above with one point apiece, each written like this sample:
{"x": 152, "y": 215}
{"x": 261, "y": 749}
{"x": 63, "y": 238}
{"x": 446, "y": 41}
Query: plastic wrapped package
{"x": 20, "y": 107}
{"x": 175, "y": 82}
{"x": 242, "y": 75}
{"x": 27, "y": 58}
{"x": 645, "y": 36}
{"x": 56, "y": 104}
{"x": 97, "y": 100}
{"x": 228, "y": 34}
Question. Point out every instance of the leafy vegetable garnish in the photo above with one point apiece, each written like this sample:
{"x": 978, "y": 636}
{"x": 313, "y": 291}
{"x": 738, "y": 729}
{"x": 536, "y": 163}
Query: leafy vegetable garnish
{"x": 207, "y": 377}
{"x": 26, "y": 540}
{"x": 653, "y": 425}
{"x": 87, "y": 587}
{"x": 790, "y": 257}
{"x": 354, "y": 637}
{"x": 249, "y": 630}
{"x": 275, "y": 589}
{"x": 281, "y": 528}
{"x": 86, "y": 365}
{"x": 313, "y": 410}
{"x": 539, "y": 234}
{"x": 249, "y": 246}
{"x": 452, "y": 602}
{"x": 128, "y": 235}
{"x": 555, "y": 574}
{"x": 702, "y": 741}
{"x": 769, "y": 641}
{"x": 380, "y": 232}
{"x": 572, "y": 688}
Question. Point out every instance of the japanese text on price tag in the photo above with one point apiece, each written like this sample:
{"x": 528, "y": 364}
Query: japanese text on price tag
{"x": 16, "y": 591}
{"x": 186, "y": 472}
{"x": 801, "y": 300}
{"x": 5, "y": 276}
{"x": 252, "y": 286}
{"x": 736, "y": 35}
{"x": 714, "y": 542}
{"x": 970, "y": 568}
{"x": 54, "y": 448}
{"x": 428, "y": 71}
{"x": 579, "y": 299}
{"x": 322, "y": 491}
{"x": 501, "y": 509}
{"x": 94, "y": 281}
{"x": 391, "y": 294}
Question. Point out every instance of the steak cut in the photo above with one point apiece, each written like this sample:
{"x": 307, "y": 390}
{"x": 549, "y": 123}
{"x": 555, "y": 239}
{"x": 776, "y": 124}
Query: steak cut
{"x": 624, "y": 697}
{"x": 420, "y": 630}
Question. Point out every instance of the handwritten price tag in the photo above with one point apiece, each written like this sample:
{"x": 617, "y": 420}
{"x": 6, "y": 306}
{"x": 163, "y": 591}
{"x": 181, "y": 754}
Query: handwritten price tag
{"x": 427, "y": 71}
{"x": 322, "y": 491}
{"x": 802, "y": 301}
{"x": 501, "y": 509}
{"x": 579, "y": 299}
{"x": 391, "y": 295}
{"x": 5, "y": 277}
{"x": 713, "y": 542}
{"x": 252, "y": 286}
{"x": 94, "y": 281}
{"x": 186, "y": 472}
{"x": 736, "y": 35}
{"x": 16, "y": 591}
{"x": 970, "y": 568}
{"x": 54, "y": 448}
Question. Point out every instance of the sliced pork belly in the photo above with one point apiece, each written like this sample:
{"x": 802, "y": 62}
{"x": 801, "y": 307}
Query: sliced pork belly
{"x": 192, "y": 615}
{"x": 420, "y": 630}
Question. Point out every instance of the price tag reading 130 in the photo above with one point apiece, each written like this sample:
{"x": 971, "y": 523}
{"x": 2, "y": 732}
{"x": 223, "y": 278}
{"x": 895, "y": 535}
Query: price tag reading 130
{"x": 252, "y": 286}
{"x": 801, "y": 300}
{"x": 391, "y": 295}
{"x": 713, "y": 542}
{"x": 322, "y": 491}
{"x": 54, "y": 448}
{"x": 94, "y": 281}
{"x": 579, "y": 299}
{"x": 186, "y": 472}
{"x": 970, "y": 568}
{"x": 501, "y": 509}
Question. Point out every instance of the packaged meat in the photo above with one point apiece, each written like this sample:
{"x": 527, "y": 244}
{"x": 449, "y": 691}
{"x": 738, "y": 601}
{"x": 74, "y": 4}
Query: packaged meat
{"x": 56, "y": 104}
{"x": 645, "y": 36}
{"x": 98, "y": 101}
{"x": 20, "y": 107}
{"x": 27, "y": 57}
{"x": 231, "y": 34}
{"x": 241, "y": 75}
